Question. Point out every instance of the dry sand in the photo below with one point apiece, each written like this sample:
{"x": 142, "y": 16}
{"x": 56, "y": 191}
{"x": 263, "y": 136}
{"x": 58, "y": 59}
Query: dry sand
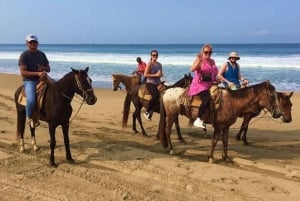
{"x": 114, "y": 164}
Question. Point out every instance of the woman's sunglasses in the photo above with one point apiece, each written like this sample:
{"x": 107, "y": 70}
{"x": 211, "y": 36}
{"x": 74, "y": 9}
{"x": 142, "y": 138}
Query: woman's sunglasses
{"x": 208, "y": 52}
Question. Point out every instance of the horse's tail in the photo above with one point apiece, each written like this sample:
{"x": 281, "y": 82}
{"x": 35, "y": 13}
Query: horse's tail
{"x": 21, "y": 114}
{"x": 162, "y": 123}
{"x": 126, "y": 109}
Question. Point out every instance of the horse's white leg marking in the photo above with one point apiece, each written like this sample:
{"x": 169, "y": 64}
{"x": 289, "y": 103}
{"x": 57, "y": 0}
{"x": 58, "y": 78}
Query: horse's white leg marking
{"x": 33, "y": 142}
{"x": 22, "y": 145}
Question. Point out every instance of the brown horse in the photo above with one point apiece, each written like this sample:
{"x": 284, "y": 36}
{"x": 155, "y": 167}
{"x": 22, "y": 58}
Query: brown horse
{"x": 56, "y": 108}
{"x": 285, "y": 107}
{"x": 138, "y": 103}
{"x": 232, "y": 105}
{"x": 128, "y": 81}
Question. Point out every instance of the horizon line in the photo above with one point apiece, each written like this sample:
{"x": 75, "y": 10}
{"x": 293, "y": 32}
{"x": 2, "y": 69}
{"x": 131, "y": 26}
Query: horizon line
{"x": 256, "y": 43}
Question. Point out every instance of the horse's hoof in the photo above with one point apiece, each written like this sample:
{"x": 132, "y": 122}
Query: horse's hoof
{"x": 226, "y": 159}
{"x": 35, "y": 148}
{"x": 71, "y": 161}
{"x": 246, "y": 143}
{"x": 145, "y": 135}
{"x": 53, "y": 164}
{"x": 172, "y": 152}
{"x": 22, "y": 150}
{"x": 211, "y": 160}
{"x": 238, "y": 138}
{"x": 182, "y": 140}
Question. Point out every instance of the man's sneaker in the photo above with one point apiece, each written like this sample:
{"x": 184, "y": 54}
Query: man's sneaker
{"x": 148, "y": 115}
{"x": 33, "y": 123}
{"x": 198, "y": 123}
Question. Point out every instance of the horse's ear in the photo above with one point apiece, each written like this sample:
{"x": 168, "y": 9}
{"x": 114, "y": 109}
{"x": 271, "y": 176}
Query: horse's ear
{"x": 87, "y": 69}
{"x": 74, "y": 70}
{"x": 290, "y": 95}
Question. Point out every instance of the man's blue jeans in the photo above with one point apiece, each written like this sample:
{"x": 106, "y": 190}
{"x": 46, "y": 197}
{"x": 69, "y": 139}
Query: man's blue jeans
{"x": 30, "y": 91}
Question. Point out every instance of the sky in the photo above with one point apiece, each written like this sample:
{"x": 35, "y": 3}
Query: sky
{"x": 150, "y": 22}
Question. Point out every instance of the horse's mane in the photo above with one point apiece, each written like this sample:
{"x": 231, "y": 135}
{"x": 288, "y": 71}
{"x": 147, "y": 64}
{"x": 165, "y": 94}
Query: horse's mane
{"x": 123, "y": 75}
{"x": 240, "y": 93}
{"x": 65, "y": 76}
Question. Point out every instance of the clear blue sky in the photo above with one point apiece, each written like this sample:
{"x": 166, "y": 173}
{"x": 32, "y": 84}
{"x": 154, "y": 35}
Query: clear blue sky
{"x": 152, "y": 21}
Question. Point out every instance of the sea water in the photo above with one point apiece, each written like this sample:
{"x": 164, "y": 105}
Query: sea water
{"x": 279, "y": 63}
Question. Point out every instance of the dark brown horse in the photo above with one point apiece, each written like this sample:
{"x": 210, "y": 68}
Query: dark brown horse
{"x": 56, "y": 109}
{"x": 138, "y": 103}
{"x": 232, "y": 105}
{"x": 128, "y": 81}
{"x": 285, "y": 107}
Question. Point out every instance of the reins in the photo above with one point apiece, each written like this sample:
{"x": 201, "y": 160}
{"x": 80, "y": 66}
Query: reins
{"x": 79, "y": 85}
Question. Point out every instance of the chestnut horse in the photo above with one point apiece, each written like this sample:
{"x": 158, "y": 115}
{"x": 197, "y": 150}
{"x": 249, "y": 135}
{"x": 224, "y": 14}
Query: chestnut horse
{"x": 56, "y": 108}
{"x": 232, "y": 105}
{"x": 128, "y": 81}
{"x": 285, "y": 107}
{"x": 138, "y": 102}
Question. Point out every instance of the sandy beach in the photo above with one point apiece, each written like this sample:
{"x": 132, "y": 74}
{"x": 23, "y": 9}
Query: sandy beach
{"x": 113, "y": 163}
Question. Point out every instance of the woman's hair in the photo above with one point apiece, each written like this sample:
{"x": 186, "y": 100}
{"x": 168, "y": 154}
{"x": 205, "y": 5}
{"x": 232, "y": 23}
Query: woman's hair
{"x": 200, "y": 54}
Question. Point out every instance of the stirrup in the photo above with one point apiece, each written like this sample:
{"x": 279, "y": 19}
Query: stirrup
{"x": 33, "y": 123}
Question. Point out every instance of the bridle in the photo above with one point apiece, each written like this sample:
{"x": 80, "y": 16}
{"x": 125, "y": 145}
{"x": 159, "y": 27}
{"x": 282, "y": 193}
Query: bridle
{"x": 269, "y": 106}
{"x": 79, "y": 85}
{"x": 84, "y": 94}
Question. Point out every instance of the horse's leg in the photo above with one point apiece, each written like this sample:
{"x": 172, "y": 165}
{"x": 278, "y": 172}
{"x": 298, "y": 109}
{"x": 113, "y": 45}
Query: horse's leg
{"x": 22, "y": 145}
{"x": 21, "y": 119}
{"x": 158, "y": 131}
{"x": 139, "y": 118}
{"x": 225, "y": 143}
{"x": 244, "y": 138}
{"x": 169, "y": 124}
{"x": 214, "y": 141}
{"x": 65, "y": 129}
{"x": 33, "y": 140}
{"x": 52, "y": 128}
{"x": 180, "y": 138}
{"x": 244, "y": 128}
{"x": 238, "y": 135}
{"x": 134, "y": 117}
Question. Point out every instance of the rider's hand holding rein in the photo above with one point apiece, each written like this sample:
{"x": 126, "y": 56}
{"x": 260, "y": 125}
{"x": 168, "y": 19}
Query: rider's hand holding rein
{"x": 42, "y": 74}
{"x": 245, "y": 82}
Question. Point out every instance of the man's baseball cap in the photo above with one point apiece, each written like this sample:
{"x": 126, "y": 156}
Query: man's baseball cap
{"x": 31, "y": 37}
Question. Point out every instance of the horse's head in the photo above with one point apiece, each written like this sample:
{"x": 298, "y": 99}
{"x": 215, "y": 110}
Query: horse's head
{"x": 188, "y": 80}
{"x": 270, "y": 99}
{"x": 285, "y": 106}
{"x": 115, "y": 82}
{"x": 183, "y": 82}
{"x": 84, "y": 86}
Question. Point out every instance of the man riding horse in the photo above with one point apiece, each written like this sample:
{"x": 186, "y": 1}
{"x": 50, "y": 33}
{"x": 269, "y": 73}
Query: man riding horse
{"x": 34, "y": 66}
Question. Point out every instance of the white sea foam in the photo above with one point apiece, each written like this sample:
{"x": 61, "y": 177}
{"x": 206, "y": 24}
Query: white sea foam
{"x": 292, "y": 61}
{"x": 256, "y": 68}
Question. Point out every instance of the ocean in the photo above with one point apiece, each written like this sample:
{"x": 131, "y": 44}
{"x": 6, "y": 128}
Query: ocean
{"x": 279, "y": 63}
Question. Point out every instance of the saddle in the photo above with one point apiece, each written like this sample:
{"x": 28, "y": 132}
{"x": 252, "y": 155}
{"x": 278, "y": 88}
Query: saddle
{"x": 143, "y": 92}
{"x": 187, "y": 102}
{"x": 40, "y": 91}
